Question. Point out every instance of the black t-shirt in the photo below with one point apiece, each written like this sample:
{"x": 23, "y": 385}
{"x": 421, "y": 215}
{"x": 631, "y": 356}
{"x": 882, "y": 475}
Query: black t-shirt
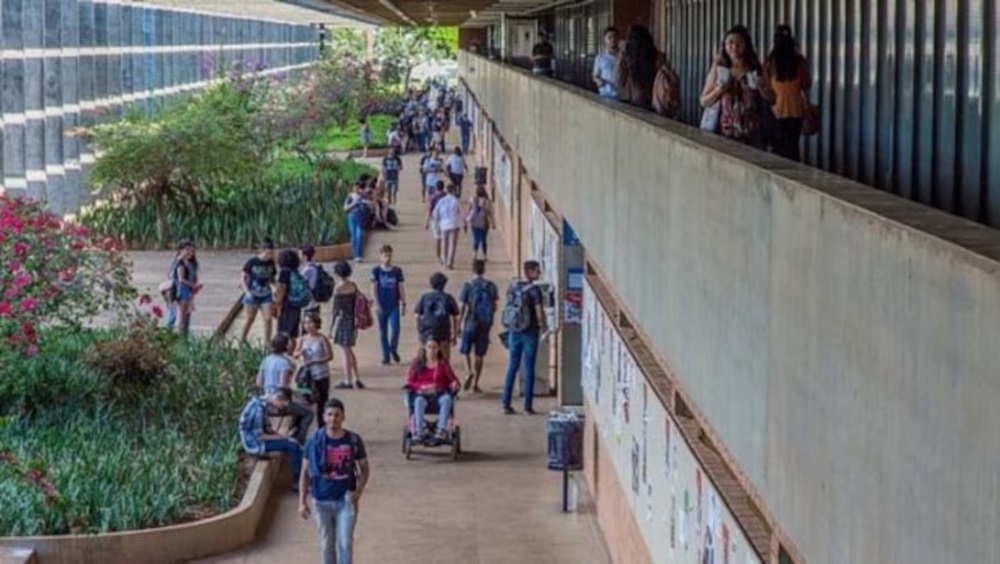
{"x": 261, "y": 275}
{"x": 432, "y": 325}
{"x": 467, "y": 298}
{"x": 535, "y": 299}
{"x": 542, "y": 53}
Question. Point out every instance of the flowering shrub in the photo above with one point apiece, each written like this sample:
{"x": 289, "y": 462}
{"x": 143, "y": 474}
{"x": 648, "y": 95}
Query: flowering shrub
{"x": 53, "y": 273}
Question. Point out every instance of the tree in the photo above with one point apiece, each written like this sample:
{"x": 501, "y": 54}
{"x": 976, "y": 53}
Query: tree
{"x": 166, "y": 159}
{"x": 400, "y": 49}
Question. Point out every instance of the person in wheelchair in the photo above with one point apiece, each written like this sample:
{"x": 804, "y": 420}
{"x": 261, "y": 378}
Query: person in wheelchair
{"x": 431, "y": 382}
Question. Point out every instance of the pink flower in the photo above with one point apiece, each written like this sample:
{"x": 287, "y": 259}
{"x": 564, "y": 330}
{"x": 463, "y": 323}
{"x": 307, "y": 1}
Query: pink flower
{"x": 157, "y": 311}
{"x": 13, "y": 266}
{"x": 22, "y": 280}
{"x": 20, "y": 248}
{"x": 32, "y": 351}
{"x": 5, "y": 309}
{"x": 28, "y": 304}
{"x": 145, "y": 299}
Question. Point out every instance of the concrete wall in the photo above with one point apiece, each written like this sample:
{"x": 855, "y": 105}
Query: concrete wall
{"x": 840, "y": 341}
{"x": 66, "y": 62}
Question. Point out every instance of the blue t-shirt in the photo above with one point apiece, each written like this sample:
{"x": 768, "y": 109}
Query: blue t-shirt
{"x": 273, "y": 369}
{"x": 336, "y": 464}
{"x": 392, "y": 166}
{"x": 387, "y": 285}
{"x": 465, "y": 125}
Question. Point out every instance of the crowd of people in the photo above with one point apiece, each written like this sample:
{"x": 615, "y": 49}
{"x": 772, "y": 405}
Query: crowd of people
{"x": 295, "y": 379}
{"x": 763, "y": 103}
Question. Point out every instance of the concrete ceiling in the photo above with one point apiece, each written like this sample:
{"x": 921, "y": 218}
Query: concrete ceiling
{"x": 470, "y": 13}
{"x": 292, "y": 11}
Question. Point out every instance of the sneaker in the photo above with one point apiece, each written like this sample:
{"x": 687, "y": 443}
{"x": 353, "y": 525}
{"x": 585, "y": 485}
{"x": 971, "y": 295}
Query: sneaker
{"x": 359, "y": 385}
{"x": 477, "y": 390}
{"x": 441, "y": 435}
{"x": 344, "y": 386}
{"x": 507, "y": 410}
{"x": 385, "y": 362}
{"x": 395, "y": 358}
{"x": 529, "y": 411}
{"x": 468, "y": 383}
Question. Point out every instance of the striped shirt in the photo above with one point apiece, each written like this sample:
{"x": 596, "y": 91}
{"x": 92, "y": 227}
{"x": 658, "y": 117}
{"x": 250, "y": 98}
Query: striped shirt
{"x": 253, "y": 424}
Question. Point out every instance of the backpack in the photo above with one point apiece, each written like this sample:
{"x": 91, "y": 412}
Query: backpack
{"x": 435, "y": 316}
{"x": 477, "y": 216}
{"x": 517, "y": 314}
{"x": 299, "y": 295}
{"x": 480, "y": 175}
{"x": 362, "y": 311}
{"x": 482, "y": 303}
{"x": 391, "y": 217}
{"x": 666, "y": 92}
{"x": 322, "y": 291}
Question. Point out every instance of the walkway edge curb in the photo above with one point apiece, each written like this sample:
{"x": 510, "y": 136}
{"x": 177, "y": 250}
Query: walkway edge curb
{"x": 174, "y": 543}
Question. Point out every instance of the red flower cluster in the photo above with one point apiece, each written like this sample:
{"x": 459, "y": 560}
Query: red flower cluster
{"x": 52, "y": 271}
{"x": 35, "y": 476}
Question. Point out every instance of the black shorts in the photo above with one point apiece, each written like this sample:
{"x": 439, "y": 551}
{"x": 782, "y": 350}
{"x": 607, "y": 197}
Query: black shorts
{"x": 477, "y": 341}
{"x": 290, "y": 321}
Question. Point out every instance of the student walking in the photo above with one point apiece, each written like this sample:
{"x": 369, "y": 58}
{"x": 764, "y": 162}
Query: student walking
{"x": 787, "y": 73}
{"x": 479, "y": 298}
{"x": 480, "y": 219}
{"x": 524, "y": 319}
{"x": 431, "y": 224}
{"x": 366, "y": 137}
{"x": 390, "y": 303}
{"x": 431, "y": 167}
{"x": 184, "y": 274}
{"x": 734, "y": 88}
{"x": 456, "y": 170}
{"x": 448, "y": 216}
{"x": 291, "y": 295}
{"x": 332, "y": 482}
{"x": 259, "y": 274}
{"x": 356, "y": 206}
{"x": 437, "y": 315}
{"x": 605, "y": 73}
{"x": 346, "y": 296}
{"x": 392, "y": 165}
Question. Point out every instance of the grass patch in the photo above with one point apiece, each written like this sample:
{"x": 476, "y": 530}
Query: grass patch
{"x": 79, "y": 457}
{"x": 348, "y": 138}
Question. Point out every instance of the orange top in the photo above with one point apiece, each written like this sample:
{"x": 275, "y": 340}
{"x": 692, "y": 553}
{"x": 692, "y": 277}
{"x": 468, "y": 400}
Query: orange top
{"x": 789, "y": 99}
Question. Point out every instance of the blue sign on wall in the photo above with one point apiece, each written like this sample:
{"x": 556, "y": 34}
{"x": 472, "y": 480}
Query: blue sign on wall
{"x": 569, "y": 236}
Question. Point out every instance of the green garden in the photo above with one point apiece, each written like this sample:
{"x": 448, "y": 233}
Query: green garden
{"x": 108, "y": 422}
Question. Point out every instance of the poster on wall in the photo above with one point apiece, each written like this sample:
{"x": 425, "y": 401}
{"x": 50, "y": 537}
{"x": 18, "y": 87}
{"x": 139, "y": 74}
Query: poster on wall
{"x": 502, "y": 174}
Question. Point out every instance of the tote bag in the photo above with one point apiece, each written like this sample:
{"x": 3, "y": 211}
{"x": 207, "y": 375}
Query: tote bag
{"x": 710, "y": 116}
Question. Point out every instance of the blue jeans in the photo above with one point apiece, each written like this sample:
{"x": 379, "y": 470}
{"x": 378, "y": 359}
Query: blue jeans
{"x": 479, "y": 239}
{"x": 357, "y": 231}
{"x": 335, "y": 521}
{"x": 465, "y": 143}
{"x": 294, "y": 452}
{"x": 388, "y": 320}
{"x": 171, "y": 318}
{"x": 522, "y": 346}
{"x": 444, "y": 402}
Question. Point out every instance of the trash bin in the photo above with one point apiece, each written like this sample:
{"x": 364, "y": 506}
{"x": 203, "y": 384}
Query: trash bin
{"x": 480, "y": 175}
{"x": 565, "y": 431}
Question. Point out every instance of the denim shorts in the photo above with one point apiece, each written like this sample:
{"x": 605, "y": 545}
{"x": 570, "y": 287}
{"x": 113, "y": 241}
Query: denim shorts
{"x": 250, "y": 300}
{"x": 477, "y": 340}
{"x": 184, "y": 293}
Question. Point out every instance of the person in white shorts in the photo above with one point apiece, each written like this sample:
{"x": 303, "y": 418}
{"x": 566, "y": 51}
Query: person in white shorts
{"x": 448, "y": 216}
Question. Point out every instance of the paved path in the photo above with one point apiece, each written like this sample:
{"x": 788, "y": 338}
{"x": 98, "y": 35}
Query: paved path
{"x": 497, "y": 504}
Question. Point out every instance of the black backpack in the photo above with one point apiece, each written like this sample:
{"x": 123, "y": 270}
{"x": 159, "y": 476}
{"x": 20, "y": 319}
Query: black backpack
{"x": 480, "y": 175}
{"x": 322, "y": 290}
{"x": 435, "y": 313}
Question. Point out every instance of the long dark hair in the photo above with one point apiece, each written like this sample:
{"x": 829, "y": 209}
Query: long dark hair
{"x": 784, "y": 56}
{"x": 750, "y": 57}
{"x": 420, "y": 362}
{"x": 639, "y": 57}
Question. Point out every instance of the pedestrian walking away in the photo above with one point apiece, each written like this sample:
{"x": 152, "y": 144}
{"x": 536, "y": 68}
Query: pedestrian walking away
{"x": 479, "y": 299}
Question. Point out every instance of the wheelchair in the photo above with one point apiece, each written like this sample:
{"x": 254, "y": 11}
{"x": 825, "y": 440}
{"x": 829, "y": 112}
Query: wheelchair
{"x": 422, "y": 433}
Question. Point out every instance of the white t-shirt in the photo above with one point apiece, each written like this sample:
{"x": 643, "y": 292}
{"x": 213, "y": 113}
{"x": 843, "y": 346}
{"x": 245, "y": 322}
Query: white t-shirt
{"x": 448, "y": 213}
{"x": 456, "y": 164}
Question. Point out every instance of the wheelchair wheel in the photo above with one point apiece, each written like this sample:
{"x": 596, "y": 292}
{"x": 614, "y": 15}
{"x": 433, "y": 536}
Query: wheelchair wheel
{"x": 406, "y": 437}
{"x": 456, "y": 444}
{"x": 407, "y": 447}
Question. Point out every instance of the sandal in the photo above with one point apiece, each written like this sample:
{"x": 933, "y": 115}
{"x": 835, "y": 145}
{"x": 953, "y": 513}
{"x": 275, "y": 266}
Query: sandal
{"x": 344, "y": 386}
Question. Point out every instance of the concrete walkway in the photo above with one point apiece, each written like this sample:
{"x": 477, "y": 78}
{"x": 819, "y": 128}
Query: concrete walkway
{"x": 497, "y": 504}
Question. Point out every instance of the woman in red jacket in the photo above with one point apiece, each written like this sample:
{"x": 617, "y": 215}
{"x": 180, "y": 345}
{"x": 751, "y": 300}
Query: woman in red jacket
{"x": 432, "y": 381}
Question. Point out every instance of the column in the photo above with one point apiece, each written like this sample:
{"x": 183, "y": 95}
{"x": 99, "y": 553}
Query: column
{"x": 74, "y": 187}
{"x": 52, "y": 94}
{"x": 33, "y": 22}
{"x": 13, "y": 98}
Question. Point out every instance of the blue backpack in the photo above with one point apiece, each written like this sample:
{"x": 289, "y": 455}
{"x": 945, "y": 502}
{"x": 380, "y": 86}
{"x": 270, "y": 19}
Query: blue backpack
{"x": 483, "y": 303}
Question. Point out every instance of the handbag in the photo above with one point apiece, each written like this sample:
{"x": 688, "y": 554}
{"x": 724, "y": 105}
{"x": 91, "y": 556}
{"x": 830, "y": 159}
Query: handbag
{"x": 711, "y": 115}
{"x": 810, "y": 121}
